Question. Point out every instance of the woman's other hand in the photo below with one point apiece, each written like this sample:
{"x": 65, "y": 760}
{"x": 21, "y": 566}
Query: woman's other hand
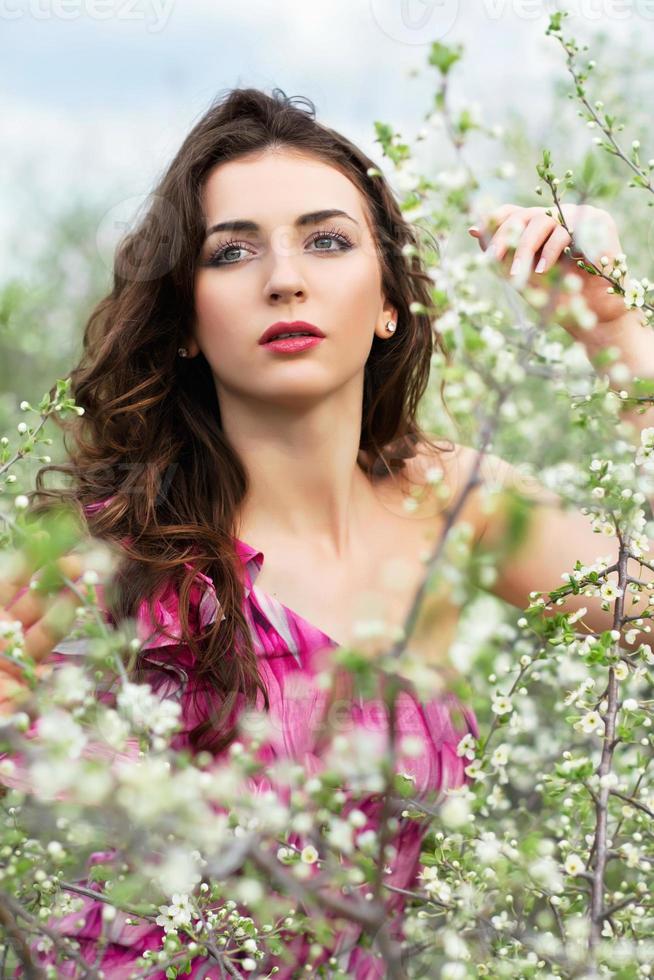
{"x": 46, "y": 618}
{"x": 528, "y": 243}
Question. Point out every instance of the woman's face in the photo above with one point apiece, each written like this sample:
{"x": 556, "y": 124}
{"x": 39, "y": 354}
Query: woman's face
{"x": 325, "y": 271}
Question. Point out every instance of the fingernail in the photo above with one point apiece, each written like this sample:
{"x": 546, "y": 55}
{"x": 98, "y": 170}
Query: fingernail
{"x": 515, "y": 268}
{"x": 541, "y": 266}
{"x": 473, "y": 228}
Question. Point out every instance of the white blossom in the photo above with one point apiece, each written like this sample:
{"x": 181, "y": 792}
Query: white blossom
{"x": 475, "y": 771}
{"x": 455, "y": 811}
{"x": 573, "y": 864}
{"x": 309, "y": 854}
{"x": 71, "y": 684}
{"x": 488, "y": 848}
{"x": 62, "y": 732}
{"x": 546, "y": 871}
{"x": 467, "y": 746}
{"x": 609, "y": 591}
{"x": 145, "y": 710}
{"x": 590, "y": 723}
{"x": 500, "y": 756}
{"x": 339, "y": 835}
{"x": 634, "y": 294}
{"x": 179, "y": 869}
{"x": 501, "y": 704}
{"x": 177, "y": 914}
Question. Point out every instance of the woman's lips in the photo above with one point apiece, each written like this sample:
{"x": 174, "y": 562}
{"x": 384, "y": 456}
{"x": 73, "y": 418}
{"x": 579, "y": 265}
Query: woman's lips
{"x": 288, "y": 345}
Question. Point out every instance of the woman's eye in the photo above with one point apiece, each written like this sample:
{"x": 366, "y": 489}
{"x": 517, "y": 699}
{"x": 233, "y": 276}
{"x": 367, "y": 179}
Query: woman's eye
{"x": 324, "y": 238}
{"x": 232, "y": 248}
{"x": 219, "y": 256}
{"x": 332, "y": 236}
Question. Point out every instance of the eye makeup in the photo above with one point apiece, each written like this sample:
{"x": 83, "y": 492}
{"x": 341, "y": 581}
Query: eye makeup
{"x": 333, "y": 234}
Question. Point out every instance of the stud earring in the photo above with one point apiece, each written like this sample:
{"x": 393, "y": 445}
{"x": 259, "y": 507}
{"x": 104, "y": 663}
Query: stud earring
{"x": 182, "y": 351}
{"x": 391, "y": 325}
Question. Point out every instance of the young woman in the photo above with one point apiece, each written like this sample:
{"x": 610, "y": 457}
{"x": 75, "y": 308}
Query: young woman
{"x": 258, "y": 487}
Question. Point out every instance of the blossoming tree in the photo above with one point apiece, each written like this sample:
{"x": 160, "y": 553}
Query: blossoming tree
{"x": 540, "y": 867}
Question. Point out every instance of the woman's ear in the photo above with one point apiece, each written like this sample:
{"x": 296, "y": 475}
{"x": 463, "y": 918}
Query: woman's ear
{"x": 387, "y": 324}
{"x": 191, "y": 347}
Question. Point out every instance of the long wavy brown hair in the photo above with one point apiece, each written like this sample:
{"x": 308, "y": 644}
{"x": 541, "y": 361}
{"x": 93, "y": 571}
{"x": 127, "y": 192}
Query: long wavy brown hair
{"x": 150, "y": 440}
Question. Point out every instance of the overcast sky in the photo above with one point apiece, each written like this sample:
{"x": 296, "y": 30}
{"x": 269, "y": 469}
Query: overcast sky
{"x": 96, "y": 95}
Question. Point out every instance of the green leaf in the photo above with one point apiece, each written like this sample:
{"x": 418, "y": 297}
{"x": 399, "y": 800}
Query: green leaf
{"x": 472, "y": 340}
{"x": 102, "y": 872}
{"x": 555, "y": 22}
{"x": 465, "y": 122}
{"x": 643, "y": 387}
{"x": 443, "y": 57}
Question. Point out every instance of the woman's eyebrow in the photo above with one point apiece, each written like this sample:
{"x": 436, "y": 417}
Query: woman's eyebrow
{"x": 310, "y": 218}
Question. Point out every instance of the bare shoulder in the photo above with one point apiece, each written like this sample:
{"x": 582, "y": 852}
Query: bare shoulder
{"x": 483, "y": 477}
{"x": 435, "y": 475}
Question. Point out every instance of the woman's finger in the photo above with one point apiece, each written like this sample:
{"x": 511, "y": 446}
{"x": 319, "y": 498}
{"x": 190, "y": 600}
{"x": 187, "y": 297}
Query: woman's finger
{"x": 54, "y": 625}
{"x": 508, "y": 234}
{"x": 17, "y": 594}
{"x": 489, "y": 223}
{"x": 41, "y": 637}
{"x": 15, "y": 574}
{"x": 28, "y": 604}
{"x": 538, "y": 230}
{"x": 14, "y": 689}
{"x": 7, "y": 667}
{"x": 12, "y": 692}
{"x": 553, "y": 248}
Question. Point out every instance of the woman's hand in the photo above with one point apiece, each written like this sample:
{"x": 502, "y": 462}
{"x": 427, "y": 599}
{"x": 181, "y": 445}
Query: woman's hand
{"x": 45, "y": 621}
{"x": 539, "y": 241}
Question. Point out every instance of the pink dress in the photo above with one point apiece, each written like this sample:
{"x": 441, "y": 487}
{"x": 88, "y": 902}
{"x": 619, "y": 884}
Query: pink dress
{"x": 291, "y": 652}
